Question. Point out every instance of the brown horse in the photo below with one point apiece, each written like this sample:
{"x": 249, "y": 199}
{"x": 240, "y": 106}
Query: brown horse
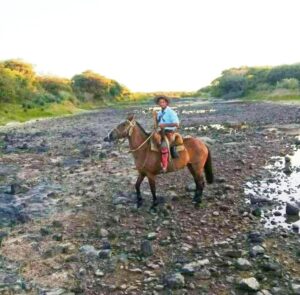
{"x": 196, "y": 156}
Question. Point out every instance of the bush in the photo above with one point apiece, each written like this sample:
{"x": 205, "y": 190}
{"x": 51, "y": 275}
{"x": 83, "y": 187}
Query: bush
{"x": 290, "y": 83}
{"x": 229, "y": 86}
{"x": 55, "y": 85}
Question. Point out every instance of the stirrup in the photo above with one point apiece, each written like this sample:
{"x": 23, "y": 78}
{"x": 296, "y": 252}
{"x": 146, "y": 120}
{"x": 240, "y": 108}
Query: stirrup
{"x": 174, "y": 153}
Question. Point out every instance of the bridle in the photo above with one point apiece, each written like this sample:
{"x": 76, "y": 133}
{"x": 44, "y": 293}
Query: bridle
{"x": 129, "y": 130}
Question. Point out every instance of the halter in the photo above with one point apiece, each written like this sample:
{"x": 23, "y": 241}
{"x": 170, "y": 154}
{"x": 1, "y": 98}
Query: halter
{"x": 129, "y": 131}
{"x": 129, "y": 128}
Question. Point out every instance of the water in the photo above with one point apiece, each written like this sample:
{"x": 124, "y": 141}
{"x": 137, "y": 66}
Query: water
{"x": 198, "y": 111}
{"x": 280, "y": 188}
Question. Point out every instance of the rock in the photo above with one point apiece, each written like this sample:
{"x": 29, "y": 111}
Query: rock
{"x": 3, "y": 234}
{"x": 57, "y": 237}
{"x": 259, "y": 199}
{"x": 257, "y": 250}
{"x": 233, "y": 253}
{"x": 296, "y": 289}
{"x": 174, "y": 281}
{"x": 103, "y": 233}
{"x": 146, "y": 248}
{"x": 151, "y": 236}
{"x": 191, "y": 268}
{"x": 105, "y": 253}
{"x": 17, "y": 188}
{"x": 292, "y": 209}
{"x": 255, "y": 237}
{"x": 203, "y": 274}
{"x": 270, "y": 266}
{"x": 45, "y": 231}
{"x": 89, "y": 250}
{"x": 191, "y": 187}
{"x": 57, "y": 223}
{"x": 257, "y": 212}
{"x": 243, "y": 264}
{"x": 249, "y": 284}
{"x": 263, "y": 292}
{"x": 57, "y": 291}
{"x": 99, "y": 273}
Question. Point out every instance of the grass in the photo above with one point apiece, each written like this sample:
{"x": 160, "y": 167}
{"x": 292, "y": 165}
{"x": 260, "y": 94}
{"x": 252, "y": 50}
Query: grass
{"x": 276, "y": 96}
{"x": 16, "y": 113}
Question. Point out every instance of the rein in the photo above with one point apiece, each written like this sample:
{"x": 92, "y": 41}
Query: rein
{"x": 135, "y": 150}
{"x": 129, "y": 129}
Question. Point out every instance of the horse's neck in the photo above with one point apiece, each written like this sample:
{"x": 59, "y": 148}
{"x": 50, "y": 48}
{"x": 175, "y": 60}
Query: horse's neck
{"x": 137, "y": 137}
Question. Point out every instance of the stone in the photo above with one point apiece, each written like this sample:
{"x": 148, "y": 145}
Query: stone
{"x": 255, "y": 237}
{"x": 296, "y": 289}
{"x": 191, "y": 268}
{"x": 105, "y": 253}
{"x": 99, "y": 273}
{"x": 174, "y": 281}
{"x": 257, "y": 250}
{"x": 249, "y": 284}
{"x": 203, "y": 274}
{"x": 263, "y": 292}
{"x": 292, "y": 209}
{"x": 243, "y": 264}
{"x": 103, "y": 233}
{"x": 151, "y": 236}
{"x": 89, "y": 250}
{"x": 233, "y": 253}
{"x": 191, "y": 187}
{"x": 57, "y": 291}
{"x": 146, "y": 248}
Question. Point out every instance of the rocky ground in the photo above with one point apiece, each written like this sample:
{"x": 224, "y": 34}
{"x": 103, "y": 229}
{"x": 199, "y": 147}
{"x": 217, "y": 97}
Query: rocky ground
{"x": 69, "y": 224}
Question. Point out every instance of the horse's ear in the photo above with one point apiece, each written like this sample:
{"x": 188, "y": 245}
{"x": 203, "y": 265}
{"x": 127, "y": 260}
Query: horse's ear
{"x": 130, "y": 117}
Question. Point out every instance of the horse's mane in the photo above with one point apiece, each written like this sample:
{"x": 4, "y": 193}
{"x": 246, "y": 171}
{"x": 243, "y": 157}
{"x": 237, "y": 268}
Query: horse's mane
{"x": 143, "y": 130}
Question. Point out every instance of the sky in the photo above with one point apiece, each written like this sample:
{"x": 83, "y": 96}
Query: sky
{"x": 150, "y": 45}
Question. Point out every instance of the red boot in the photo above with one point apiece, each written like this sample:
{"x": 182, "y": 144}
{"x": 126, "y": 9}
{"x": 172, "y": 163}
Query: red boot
{"x": 164, "y": 158}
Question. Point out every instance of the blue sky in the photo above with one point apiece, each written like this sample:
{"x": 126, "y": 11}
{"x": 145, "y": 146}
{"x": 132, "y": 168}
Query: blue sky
{"x": 150, "y": 45}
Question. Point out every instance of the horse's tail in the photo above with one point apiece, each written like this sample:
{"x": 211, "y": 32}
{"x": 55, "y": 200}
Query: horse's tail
{"x": 208, "y": 168}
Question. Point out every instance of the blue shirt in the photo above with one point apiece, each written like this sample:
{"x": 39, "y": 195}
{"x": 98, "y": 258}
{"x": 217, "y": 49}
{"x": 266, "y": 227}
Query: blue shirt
{"x": 167, "y": 116}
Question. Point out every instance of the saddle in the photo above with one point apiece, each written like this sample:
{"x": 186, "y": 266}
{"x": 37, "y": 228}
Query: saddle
{"x": 174, "y": 139}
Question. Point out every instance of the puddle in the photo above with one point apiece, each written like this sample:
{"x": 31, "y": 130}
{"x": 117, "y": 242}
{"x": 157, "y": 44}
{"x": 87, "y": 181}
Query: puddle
{"x": 206, "y": 127}
{"x": 211, "y": 126}
{"x": 272, "y": 194}
{"x": 198, "y": 111}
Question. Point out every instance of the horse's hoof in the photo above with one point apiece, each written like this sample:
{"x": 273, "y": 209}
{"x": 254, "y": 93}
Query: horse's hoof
{"x": 139, "y": 203}
{"x": 153, "y": 209}
{"x": 155, "y": 204}
{"x": 197, "y": 205}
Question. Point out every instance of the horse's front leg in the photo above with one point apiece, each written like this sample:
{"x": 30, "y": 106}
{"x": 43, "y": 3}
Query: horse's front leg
{"x": 138, "y": 191}
{"x": 151, "y": 180}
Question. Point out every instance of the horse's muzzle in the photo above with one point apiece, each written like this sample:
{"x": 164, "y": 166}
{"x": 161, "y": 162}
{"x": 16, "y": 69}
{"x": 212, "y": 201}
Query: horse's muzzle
{"x": 110, "y": 137}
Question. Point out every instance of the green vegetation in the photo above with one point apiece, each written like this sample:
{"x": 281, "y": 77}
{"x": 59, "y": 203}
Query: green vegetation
{"x": 24, "y": 95}
{"x": 272, "y": 83}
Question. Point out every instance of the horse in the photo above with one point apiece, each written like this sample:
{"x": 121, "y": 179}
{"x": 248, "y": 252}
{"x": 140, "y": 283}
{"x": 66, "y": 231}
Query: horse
{"x": 196, "y": 157}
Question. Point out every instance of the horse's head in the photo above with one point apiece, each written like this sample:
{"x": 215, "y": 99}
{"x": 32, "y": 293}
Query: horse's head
{"x": 124, "y": 129}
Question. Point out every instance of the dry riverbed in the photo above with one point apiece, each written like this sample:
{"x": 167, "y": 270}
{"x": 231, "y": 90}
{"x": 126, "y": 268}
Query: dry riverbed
{"x": 69, "y": 224}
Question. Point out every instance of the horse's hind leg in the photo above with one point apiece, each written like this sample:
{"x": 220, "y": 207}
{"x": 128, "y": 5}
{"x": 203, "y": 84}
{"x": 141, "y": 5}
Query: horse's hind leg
{"x": 138, "y": 191}
{"x": 199, "y": 181}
